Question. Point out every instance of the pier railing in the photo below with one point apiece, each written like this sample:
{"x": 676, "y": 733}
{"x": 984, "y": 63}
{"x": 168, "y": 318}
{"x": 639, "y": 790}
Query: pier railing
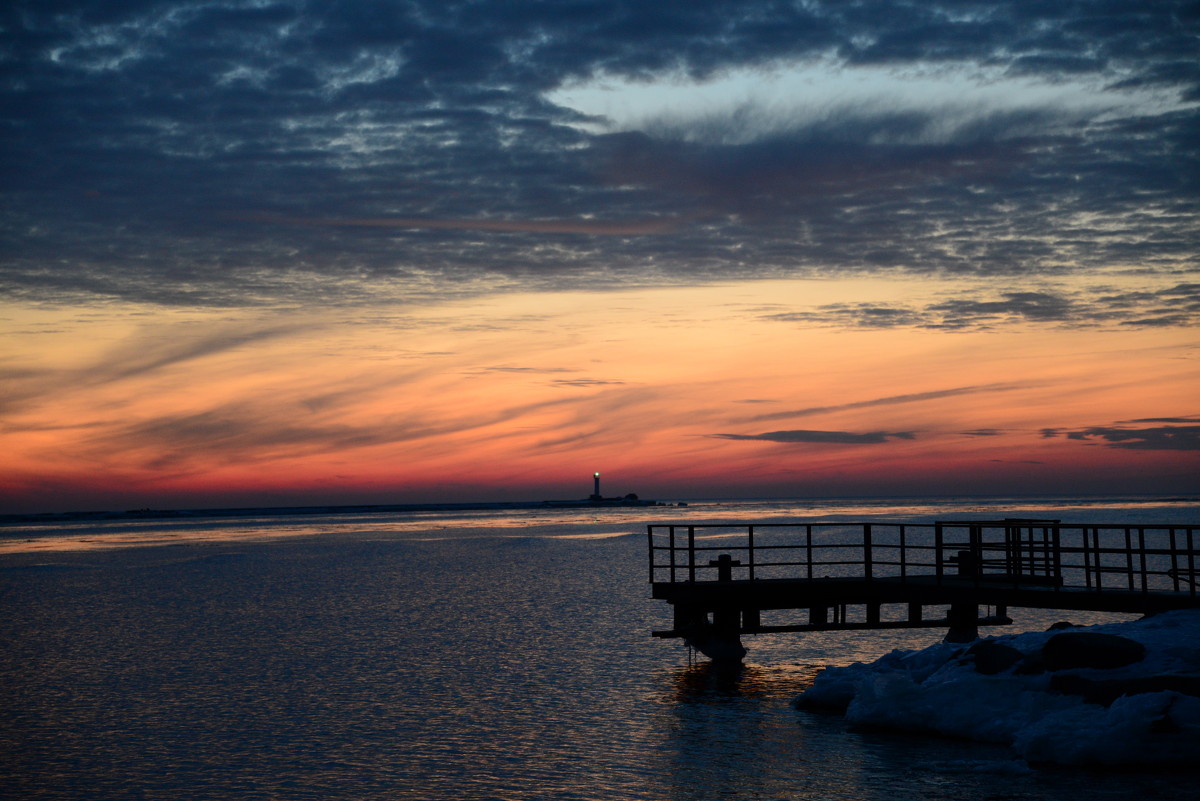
{"x": 1011, "y": 552}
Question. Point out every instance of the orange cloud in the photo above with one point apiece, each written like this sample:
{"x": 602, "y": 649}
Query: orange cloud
{"x": 517, "y": 396}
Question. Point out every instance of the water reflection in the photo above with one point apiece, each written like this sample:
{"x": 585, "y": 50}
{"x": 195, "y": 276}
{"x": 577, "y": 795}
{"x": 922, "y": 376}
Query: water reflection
{"x": 732, "y": 732}
{"x": 31, "y": 535}
{"x": 366, "y": 663}
{"x": 706, "y": 682}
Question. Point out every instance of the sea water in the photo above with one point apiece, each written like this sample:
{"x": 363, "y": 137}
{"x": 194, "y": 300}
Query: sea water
{"x": 472, "y": 654}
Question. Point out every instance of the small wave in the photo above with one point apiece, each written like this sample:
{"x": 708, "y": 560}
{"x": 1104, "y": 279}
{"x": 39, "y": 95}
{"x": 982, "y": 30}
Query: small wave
{"x": 213, "y": 559}
{"x": 611, "y": 535}
{"x": 1005, "y": 767}
{"x": 44, "y": 567}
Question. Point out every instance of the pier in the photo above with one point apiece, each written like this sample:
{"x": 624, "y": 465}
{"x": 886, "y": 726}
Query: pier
{"x": 726, "y": 580}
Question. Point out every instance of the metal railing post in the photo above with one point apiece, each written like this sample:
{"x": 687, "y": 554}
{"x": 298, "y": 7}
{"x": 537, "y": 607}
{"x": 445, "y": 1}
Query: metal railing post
{"x": 650, "y": 545}
{"x": 808, "y": 549}
{"x": 1142, "y": 549}
{"x": 750, "y": 548}
{"x": 868, "y": 554}
{"x": 1129, "y": 557}
{"x": 1174, "y": 570}
{"x": 937, "y": 551}
{"x": 1087, "y": 558}
{"x": 1191, "y": 562}
{"x": 692, "y": 554}
{"x": 1057, "y": 534}
{"x": 671, "y": 549}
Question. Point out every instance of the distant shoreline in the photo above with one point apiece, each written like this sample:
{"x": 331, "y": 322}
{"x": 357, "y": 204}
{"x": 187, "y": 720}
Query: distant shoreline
{"x": 341, "y": 509}
{"x": 29, "y": 518}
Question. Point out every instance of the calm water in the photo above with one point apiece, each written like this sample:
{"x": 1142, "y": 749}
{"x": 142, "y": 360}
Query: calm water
{"x": 473, "y": 655}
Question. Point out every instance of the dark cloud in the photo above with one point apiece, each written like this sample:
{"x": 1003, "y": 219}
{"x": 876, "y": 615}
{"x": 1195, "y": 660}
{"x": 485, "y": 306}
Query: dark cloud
{"x": 528, "y": 370}
{"x": 825, "y": 437}
{"x": 1184, "y": 436}
{"x": 854, "y": 315}
{"x": 585, "y": 382}
{"x": 598, "y": 227}
{"x": 890, "y": 400}
{"x": 1159, "y": 438}
{"x": 144, "y": 353}
{"x": 1174, "y": 306}
{"x": 228, "y": 152}
{"x": 1037, "y": 306}
{"x": 267, "y": 429}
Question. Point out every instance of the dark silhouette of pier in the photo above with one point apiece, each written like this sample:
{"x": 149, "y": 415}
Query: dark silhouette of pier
{"x": 726, "y": 580}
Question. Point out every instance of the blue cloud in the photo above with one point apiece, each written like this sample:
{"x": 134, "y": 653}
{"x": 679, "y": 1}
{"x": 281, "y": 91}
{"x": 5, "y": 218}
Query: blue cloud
{"x": 163, "y": 152}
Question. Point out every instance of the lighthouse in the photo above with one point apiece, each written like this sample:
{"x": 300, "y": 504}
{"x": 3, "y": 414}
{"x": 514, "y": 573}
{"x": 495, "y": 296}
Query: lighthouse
{"x": 596, "y": 487}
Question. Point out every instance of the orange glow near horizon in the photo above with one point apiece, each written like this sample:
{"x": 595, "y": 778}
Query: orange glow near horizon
{"x": 667, "y": 392}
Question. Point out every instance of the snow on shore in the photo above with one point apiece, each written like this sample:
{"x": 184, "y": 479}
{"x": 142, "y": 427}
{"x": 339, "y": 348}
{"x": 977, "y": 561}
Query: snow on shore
{"x": 1051, "y": 697}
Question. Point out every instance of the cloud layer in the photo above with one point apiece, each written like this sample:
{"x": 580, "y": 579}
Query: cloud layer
{"x": 1172, "y": 305}
{"x": 228, "y": 152}
{"x": 1153, "y": 438}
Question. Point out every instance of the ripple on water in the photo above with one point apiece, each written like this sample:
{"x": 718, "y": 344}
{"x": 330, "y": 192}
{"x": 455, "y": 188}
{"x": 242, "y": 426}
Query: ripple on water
{"x": 374, "y": 666}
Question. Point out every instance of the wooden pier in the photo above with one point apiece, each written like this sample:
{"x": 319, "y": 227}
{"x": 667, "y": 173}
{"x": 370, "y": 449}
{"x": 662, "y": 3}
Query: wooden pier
{"x": 725, "y": 580}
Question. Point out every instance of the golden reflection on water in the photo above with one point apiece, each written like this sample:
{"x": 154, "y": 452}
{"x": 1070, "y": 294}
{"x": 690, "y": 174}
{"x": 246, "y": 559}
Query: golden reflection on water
{"x": 733, "y": 731}
{"x": 94, "y": 541}
{"x": 559, "y": 523}
{"x": 704, "y": 682}
{"x": 366, "y": 672}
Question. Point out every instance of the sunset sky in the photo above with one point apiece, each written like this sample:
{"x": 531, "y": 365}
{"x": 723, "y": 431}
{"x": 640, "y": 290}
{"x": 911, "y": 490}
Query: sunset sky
{"x": 263, "y": 253}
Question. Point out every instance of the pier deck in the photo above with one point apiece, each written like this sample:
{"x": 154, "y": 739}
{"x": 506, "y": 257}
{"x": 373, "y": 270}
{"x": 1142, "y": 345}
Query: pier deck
{"x": 721, "y": 578}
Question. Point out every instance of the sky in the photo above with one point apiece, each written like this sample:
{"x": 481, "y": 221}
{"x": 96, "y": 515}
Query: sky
{"x": 259, "y": 252}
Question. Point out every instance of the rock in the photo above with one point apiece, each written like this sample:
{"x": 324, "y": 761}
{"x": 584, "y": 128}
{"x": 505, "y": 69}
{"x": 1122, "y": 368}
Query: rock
{"x": 1089, "y": 649}
{"x": 1032, "y": 665}
{"x": 1105, "y": 691}
{"x": 1060, "y": 625}
{"x": 992, "y": 657}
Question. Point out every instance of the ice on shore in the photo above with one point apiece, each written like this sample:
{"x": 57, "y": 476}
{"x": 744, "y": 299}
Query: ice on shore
{"x": 1013, "y": 689}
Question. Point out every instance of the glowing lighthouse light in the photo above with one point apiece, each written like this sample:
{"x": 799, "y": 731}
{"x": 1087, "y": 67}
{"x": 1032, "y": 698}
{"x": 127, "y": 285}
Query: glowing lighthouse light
{"x": 596, "y": 490}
